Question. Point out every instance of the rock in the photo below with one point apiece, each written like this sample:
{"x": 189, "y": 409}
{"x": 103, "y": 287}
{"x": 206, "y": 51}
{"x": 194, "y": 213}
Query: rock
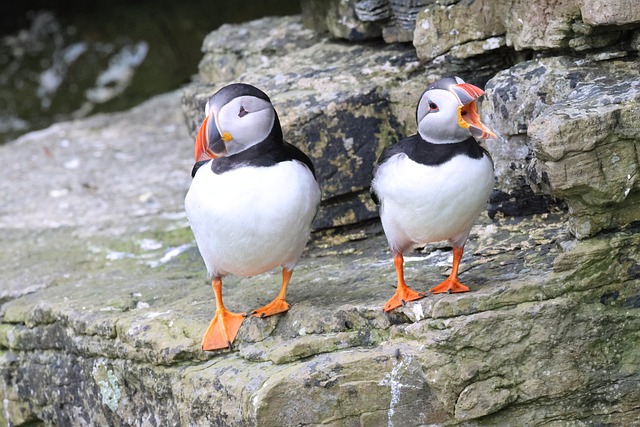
{"x": 484, "y": 25}
{"x": 108, "y": 330}
{"x": 104, "y": 298}
{"x": 462, "y": 29}
{"x": 342, "y": 116}
{"x": 393, "y": 20}
{"x": 567, "y": 128}
{"x": 618, "y": 13}
{"x": 439, "y": 28}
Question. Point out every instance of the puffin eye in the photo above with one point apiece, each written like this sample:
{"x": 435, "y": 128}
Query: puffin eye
{"x": 432, "y": 106}
{"x": 242, "y": 112}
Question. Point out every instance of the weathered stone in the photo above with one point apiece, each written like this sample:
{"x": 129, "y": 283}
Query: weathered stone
{"x": 469, "y": 28}
{"x": 104, "y": 297}
{"x": 227, "y": 53}
{"x": 439, "y": 28}
{"x": 339, "y": 18}
{"x": 569, "y": 129}
{"x": 569, "y": 24}
{"x": 393, "y": 20}
{"x": 601, "y": 12}
{"x": 110, "y": 334}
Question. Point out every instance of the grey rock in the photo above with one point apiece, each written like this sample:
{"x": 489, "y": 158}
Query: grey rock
{"x": 439, "y": 28}
{"x": 573, "y": 25}
{"x": 107, "y": 298}
{"x": 462, "y": 29}
{"x": 567, "y": 129}
{"x": 618, "y": 13}
{"x": 372, "y": 10}
{"x": 339, "y": 18}
{"x": 110, "y": 335}
{"x": 393, "y": 20}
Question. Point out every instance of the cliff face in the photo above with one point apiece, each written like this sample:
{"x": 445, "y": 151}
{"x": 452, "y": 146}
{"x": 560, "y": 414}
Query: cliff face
{"x": 104, "y": 297}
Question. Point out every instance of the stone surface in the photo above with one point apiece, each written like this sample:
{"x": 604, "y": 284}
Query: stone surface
{"x": 103, "y": 296}
{"x": 481, "y": 26}
{"x": 393, "y": 20}
{"x": 569, "y": 128}
{"x": 439, "y": 28}
{"x": 463, "y": 29}
{"x": 105, "y": 300}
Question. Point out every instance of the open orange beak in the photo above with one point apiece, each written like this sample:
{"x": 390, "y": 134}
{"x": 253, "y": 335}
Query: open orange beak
{"x": 468, "y": 116}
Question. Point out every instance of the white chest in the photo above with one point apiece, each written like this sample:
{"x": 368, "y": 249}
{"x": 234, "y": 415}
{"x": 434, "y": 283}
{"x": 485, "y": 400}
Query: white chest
{"x": 423, "y": 204}
{"x": 252, "y": 219}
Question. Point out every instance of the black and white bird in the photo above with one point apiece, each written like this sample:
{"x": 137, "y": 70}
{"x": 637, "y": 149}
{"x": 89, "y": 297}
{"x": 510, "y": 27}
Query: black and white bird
{"x": 433, "y": 185}
{"x": 251, "y": 202}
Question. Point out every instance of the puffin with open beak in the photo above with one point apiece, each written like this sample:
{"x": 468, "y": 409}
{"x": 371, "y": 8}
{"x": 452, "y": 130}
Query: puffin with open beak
{"x": 433, "y": 185}
{"x": 251, "y": 201}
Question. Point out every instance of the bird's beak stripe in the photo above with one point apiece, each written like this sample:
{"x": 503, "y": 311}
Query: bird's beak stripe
{"x": 466, "y": 92}
{"x": 201, "y": 149}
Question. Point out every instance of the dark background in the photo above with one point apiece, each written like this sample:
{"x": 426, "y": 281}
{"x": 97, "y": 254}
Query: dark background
{"x": 173, "y": 31}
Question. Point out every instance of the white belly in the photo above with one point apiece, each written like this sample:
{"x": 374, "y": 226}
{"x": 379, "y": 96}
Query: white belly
{"x": 252, "y": 219}
{"x": 424, "y": 204}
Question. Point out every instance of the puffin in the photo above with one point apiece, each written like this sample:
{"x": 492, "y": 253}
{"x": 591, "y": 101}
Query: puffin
{"x": 433, "y": 185}
{"x": 251, "y": 202}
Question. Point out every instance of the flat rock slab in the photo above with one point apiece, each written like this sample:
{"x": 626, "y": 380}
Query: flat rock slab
{"x": 104, "y": 302}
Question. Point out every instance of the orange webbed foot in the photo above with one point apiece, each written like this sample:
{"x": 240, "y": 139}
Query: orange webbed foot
{"x": 403, "y": 295}
{"x": 450, "y": 285}
{"x": 222, "y": 330}
{"x": 277, "y": 306}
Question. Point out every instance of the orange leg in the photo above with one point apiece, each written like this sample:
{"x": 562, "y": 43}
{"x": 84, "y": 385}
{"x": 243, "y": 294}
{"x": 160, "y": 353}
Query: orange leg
{"x": 225, "y": 325}
{"x": 279, "y": 304}
{"x": 451, "y": 283}
{"x": 403, "y": 292}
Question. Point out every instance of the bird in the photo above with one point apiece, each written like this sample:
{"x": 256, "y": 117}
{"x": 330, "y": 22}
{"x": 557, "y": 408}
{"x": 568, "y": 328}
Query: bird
{"x": 433, "y": 185}
{"x": 251, "y": 202}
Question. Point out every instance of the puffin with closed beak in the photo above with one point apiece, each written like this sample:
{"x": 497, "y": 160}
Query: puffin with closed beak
{"x": 251, "y": 201}
{"x": 433, "y": 185}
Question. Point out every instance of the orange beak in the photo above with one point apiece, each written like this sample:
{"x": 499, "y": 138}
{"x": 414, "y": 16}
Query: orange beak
{"x": 468, "y": 116}
{"x": 201, "y": 149}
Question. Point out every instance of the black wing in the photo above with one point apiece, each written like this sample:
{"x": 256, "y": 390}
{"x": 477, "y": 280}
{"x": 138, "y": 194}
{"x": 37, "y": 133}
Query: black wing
{"x": 295, "y": 153}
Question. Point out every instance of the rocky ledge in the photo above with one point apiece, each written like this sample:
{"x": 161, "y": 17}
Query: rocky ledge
{"x": 104, "y": 298}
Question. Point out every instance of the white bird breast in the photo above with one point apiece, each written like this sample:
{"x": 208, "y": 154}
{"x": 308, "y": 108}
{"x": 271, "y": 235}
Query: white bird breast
{"x": 425, "y": 204}
{"x": 252, "y": 219}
